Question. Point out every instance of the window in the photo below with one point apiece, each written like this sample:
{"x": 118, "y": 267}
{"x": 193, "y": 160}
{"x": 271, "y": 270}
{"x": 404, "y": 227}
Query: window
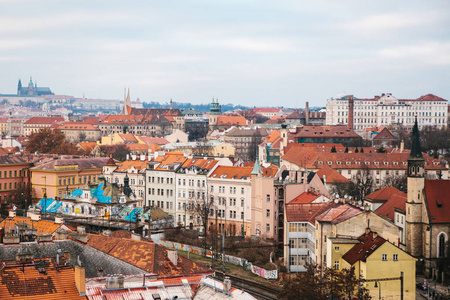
{"x": 336, "y": 248}
{"x": 268, "y": 198}
{"x": 242, "y": 215}
{"x": 336, "y": 264}
{"x": 395, "y": 257}
{"x": 268, "y": 227}
{"x": 267, "y": 213}
{"x": 384, "y": 257}
{"x": 242, "y": 190}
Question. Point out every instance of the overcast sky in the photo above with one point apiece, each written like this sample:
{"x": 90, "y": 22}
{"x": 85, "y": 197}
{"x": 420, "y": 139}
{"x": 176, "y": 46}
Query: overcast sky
{"x": 256, "y": 53}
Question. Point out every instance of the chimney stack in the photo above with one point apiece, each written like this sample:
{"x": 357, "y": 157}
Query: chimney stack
{"x": 307, "y": 113}
{"x": 350, "y": 112}
{"x": 80, "y": 280}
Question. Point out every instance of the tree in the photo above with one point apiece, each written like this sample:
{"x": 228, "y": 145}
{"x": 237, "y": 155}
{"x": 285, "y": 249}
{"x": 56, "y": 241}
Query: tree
{"x": 253, "y": 147}
{"x": 321, "y": 283}
{"x": 118, "y": 152}
{"x": 48, "y": 140}
{"x": 360, "y": 185}
{"x": 82, "y": 136}
{"x": 22, "y": 196}
{"x": 397, "y": 181}
{"x": 202, "y": 208}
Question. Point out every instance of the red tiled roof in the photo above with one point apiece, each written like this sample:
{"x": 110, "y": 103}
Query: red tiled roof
{"x": 277, "y": 119}
{"x": 44, "y": 120}
{"x": 385, "y": 134}
{"x": 92, "y": 120}
{"x": 438, "y": 200}
{"x": 395, "y": 201}
{"x": 339, "y": 213}
{"x": 153, "y": 140}
{"x": 83, "y": 163}
{"x": 336, "y": 131}
{"x": 302, "y": 212}
{"x": 110, "y": 162}
{"x": 384, "y": 194}
{"x": 145, "y": 255}
{"x": 331, "y": 176}
{"x": 305, "y": 197}
{"x": 368, "y": 243}
{"x": 88, "y": 146}
{"x": 266, "y": 110}
{"x": 430, "y": 97}
{"x": 313, "y": 158}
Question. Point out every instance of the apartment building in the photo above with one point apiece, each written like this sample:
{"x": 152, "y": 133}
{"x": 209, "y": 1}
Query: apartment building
{"x": 230, "y": 193}
{"x": 34, "y": 124}
{"x": 386, "y": 110}
{"x": 191, "y": 189}
{"x": 161, "y": 182}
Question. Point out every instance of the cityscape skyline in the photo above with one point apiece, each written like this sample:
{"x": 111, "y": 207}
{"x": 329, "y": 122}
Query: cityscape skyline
{"x": 276, "y": 54}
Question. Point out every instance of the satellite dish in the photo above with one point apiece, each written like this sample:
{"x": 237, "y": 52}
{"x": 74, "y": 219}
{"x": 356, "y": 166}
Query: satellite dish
{"x": 359, "y": 202}
{"x": 336, "y": 200}
{"x": 345, "y": 196}
{"x": 337, "y": 196}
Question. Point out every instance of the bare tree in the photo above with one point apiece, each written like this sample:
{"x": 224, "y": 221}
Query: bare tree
{"x": 203, "y": 208}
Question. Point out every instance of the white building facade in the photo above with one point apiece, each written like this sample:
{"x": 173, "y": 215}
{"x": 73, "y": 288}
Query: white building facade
{"x": 386, "y": 110}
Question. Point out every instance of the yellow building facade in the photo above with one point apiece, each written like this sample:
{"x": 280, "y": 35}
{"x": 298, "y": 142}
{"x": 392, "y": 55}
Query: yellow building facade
{"x": 378, "y": 263}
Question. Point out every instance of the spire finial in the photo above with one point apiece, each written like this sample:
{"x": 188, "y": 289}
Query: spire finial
{"x": 416, "y": 151}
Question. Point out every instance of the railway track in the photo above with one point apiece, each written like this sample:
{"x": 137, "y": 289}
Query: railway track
{"x": 253, "y": 288}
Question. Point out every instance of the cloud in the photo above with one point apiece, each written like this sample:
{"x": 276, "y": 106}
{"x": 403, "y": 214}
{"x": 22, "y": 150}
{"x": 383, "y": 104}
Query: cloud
{"x": 424, "y": 53}
{"x": 8, "y": 44}
{"x": 27, "y": 24}
{"x": 259, "y": 45}
{"x": 382, "y": 23}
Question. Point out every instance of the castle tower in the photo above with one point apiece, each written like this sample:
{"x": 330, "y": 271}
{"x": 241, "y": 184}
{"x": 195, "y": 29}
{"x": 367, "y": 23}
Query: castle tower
{"x": 171, "y": 103}
{"x": 19, "y": 88}
{"x": 214, "y": 112}
{"x": 416, "y": 193}
{"x": 30, "y": 87}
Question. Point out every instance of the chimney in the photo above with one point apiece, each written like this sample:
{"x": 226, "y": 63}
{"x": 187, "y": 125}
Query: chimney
{"x": 227, "y": 284}
{"x": 12, "y": 213}
{"x": 80, "y": 280}
{"x": 59, "y": 220}
{"x": 350, "y": 112}
{"x": 325, "y": 181}
{"x": 67, "y": 255}
{"x": 367, "y": 230}
{"x": 375, "y": 235}
{"x": 173, "y": 256}
{"x": 402, "y": 146}
{"x": 307, "y": 113}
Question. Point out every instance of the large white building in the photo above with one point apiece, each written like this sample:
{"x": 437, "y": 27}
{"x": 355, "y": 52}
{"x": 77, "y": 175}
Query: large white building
{"x": 386, "y": 110}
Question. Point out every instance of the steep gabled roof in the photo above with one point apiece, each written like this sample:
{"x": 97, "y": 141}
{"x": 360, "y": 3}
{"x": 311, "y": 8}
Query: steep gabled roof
{"x": 383, "y": 194}
{"x": 331, "y": 175}
{"x": 385, "y": 134}
{"x": 437, "y": 194}
{"x": 368, "y": 244}
{"x": 394, "y": 202}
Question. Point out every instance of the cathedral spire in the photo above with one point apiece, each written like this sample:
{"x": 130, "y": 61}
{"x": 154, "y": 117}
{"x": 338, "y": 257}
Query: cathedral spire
{"x": 416, "y": 151}
{"x": 256, "y": 168}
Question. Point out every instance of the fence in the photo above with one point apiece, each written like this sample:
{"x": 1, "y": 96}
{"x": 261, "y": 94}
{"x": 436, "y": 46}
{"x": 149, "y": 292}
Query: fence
{"x": 268, "y": 274}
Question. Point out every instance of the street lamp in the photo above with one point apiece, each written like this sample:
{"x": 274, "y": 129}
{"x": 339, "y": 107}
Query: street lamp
{"x": 378, "y": 285}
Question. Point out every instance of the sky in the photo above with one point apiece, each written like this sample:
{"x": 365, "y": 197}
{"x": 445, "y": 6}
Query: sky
{"x": 253, "y": 53}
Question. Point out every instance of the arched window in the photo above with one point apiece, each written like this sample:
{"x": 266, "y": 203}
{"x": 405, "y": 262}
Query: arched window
{"x": 442, "y": 240}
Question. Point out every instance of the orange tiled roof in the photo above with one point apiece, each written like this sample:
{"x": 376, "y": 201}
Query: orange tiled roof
{"x": 28, "y": 283}
{"x": 139, "y": 165}
{"x": 77, "y": 126}
{"x": 169, "y": 158}
{"x": 199, "y": 162}
{"x": 232, "y": 120}
{"x": 331, "y": 176}
{"x": 276, "y": 120}
{"x": 305, "y": 197}
{"x": 138, "y": 147}
{"x": 42, "y": 226}
{"x": 232, "y": 172}
{"x": 128, "y": 137}
{"x": 88, "y": 146}
{"x": 122, "y": 119}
